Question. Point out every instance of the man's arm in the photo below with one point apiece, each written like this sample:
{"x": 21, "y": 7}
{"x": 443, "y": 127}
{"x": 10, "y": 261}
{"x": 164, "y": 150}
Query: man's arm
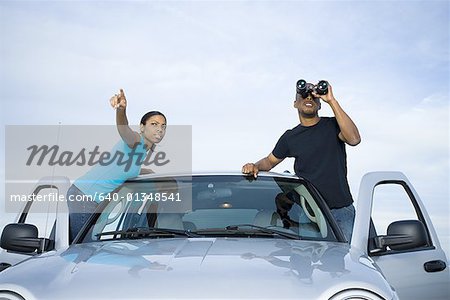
{"x": 119, "y": 102}
{"x": 349, "y": 132}
{"x": 265, "y": 164}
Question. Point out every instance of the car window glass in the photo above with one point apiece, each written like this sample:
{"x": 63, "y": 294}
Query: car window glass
{"x": 391, "y": 203}
{"x": 42, "y": 211}
{"x": 216, "y": 202}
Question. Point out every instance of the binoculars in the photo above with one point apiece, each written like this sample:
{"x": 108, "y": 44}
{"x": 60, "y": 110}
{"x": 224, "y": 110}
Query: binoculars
{"x": 304, "y": 88}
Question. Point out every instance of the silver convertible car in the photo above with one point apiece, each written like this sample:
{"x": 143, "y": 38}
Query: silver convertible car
{"x": 224, "y": 236}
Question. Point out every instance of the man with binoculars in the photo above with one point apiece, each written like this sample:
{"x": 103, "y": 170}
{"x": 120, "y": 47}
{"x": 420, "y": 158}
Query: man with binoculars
{"x": 318, "y": 146}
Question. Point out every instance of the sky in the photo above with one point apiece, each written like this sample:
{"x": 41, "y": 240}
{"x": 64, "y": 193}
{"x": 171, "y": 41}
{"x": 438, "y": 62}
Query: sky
{"x": 229, "y": 69}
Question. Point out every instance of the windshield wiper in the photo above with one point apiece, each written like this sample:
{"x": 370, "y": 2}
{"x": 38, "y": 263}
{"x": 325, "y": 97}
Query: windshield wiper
{"x": 237, "y": 229}
{"x": 142, "y": 232}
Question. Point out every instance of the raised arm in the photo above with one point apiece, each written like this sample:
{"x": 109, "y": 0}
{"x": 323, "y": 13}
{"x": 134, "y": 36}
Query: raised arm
{"x": 119, "y": 102}
{"x": 349, "y": 132}
{"x": 265, "y": 164}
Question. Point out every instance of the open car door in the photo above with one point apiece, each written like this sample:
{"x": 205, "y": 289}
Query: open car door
{"x": 392, "y": 226}
{"x": 45, "y": 213}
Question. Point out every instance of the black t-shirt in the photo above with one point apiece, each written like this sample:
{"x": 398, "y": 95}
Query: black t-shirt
{"x": 319, "y": 157}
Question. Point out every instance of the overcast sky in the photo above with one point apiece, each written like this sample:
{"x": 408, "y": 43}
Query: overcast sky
{"x": 229, "y": 70}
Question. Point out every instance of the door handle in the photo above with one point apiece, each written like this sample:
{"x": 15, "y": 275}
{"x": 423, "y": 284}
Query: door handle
{"x": 434, "y": 266}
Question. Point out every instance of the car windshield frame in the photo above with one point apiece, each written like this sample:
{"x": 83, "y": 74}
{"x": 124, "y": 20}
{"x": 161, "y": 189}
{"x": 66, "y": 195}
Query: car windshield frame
{"x": 333, "y": 233}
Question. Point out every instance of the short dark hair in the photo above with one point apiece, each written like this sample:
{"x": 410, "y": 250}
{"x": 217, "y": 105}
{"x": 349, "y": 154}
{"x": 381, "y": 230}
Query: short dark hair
{"x": 151, "y": 114}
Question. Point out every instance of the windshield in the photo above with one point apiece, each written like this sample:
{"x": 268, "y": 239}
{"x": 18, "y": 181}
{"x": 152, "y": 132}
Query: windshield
{"x": 212, "y": 206}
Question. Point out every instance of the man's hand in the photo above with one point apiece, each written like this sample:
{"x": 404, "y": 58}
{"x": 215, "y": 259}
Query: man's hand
{"x": 250, "y": 169}
{"x": 265, "y": 164}
{"x": 349, "y": 132}
{"x": 119, "y": 100}
{"x": 328, "y": 98}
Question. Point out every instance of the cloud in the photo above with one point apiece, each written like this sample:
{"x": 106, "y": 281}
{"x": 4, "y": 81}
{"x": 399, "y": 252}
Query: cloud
{"x": 229, "y": 69}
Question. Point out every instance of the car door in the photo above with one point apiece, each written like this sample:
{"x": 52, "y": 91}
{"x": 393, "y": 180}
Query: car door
{"x": 48, "y": 212}
{"x": 417, "y": 273}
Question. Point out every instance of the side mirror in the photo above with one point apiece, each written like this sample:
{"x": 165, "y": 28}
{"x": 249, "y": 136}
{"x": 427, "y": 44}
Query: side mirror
{"x": 22, "y": 238}
{"x": 402, "y": 235}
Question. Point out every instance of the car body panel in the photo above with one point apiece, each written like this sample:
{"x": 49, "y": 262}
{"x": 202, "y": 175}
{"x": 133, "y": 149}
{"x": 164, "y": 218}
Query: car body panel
{"x": 394, "y": 266}
{"x": 205, "y": 267}
{"x": 228, "y": 267}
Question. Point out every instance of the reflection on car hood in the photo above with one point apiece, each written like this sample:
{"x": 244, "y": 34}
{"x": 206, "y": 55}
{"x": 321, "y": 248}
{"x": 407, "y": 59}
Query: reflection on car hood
{"x": 194, "y": 268}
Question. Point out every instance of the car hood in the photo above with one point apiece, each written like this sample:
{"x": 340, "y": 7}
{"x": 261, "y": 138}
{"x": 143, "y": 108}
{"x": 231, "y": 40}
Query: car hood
{"x": 194, "y": 268}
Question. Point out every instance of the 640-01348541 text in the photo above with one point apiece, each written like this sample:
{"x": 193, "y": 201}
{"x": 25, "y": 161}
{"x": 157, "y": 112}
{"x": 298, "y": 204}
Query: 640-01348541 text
{"x": 141, "y": 197}
{"x": 131, "y": 196}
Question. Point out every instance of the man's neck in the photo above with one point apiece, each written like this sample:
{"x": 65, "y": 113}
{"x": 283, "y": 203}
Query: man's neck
{"x": 308, "y": 120}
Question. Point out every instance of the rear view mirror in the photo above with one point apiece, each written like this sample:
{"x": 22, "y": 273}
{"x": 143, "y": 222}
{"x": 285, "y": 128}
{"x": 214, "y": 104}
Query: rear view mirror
{"x": 414, "y": 229}
{"x": 23, "y": 238}
{"x": 402, "y": 235}
{"x": 214, "y": 193}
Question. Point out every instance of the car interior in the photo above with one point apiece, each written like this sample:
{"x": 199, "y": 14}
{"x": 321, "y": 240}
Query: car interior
{"x": 215, "y": 202}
